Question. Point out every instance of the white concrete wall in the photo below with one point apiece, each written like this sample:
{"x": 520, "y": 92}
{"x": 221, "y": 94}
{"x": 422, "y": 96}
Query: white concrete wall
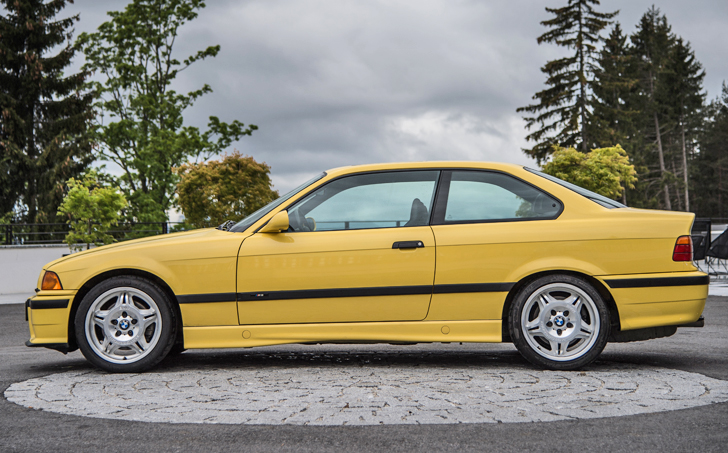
{"x": 20, "y": 267}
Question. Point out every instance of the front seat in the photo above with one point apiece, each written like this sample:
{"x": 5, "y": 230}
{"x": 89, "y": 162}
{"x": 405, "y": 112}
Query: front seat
{"x": 418, "y": 215}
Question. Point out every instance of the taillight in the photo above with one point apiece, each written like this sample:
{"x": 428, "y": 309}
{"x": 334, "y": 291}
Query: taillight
{"x": 683, "y": 250}
{"x": 51, "y": 281}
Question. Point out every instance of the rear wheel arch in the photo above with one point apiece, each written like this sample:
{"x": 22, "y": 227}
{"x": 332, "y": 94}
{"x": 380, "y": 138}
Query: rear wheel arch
{"x": 91, "y": 283}
{"x": 595, "y": 283}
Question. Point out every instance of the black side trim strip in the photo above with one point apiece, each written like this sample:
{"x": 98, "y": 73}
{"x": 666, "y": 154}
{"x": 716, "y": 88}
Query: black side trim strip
{"x": 204, "y": 298}
{"x": 659, "y": 281}
{"x": 48, "y": 303}
{"x": 376, "y": 291}
{"x": 336, "y": 292}
{"x": 473, "y": 288}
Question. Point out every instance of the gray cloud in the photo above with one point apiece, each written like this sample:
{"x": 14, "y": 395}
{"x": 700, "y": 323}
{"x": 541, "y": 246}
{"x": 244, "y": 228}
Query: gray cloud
{"x": 345, "y": 82}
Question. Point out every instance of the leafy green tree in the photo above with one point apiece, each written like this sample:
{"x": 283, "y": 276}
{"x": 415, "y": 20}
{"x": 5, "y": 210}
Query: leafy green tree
{"x": 562, "y": 111}
{"x": 90, "y": 209}
{"x": 44, "y": 113}
{"x": 142, "y": 128}
{"x": 606, "y": 171}
{"x": 215, "y": 191}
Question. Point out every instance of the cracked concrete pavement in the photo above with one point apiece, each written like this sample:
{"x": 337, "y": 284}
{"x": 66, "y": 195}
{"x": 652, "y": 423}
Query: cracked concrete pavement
{"x": 677, "y": 368}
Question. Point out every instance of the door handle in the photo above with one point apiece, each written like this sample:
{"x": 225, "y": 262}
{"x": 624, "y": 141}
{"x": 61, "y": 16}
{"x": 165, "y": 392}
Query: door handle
{"x": 408, "y": 245}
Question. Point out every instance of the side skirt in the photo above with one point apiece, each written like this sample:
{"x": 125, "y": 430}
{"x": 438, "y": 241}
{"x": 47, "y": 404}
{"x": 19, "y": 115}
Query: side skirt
{"x": 488, "y": 331}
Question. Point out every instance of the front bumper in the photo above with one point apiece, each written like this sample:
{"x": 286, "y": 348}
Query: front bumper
{"x": 48, "y": 314}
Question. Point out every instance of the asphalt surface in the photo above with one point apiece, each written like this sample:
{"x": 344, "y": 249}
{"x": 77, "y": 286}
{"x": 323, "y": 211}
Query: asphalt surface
{"x": 705, "y": 428}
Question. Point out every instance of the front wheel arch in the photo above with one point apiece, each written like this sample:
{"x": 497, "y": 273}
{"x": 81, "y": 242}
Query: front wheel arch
{"x": 598, "y": 285}
{"x": 91, "y": 283}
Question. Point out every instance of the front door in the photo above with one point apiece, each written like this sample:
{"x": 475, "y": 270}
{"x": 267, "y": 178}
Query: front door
{"x": 358, "y": 249}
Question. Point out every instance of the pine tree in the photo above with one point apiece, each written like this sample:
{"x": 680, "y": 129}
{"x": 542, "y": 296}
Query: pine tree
{"x": 44, "y": 112}
{"x": 684, "y": 97}
{"x": 562, "y": 111}
{"x": 615, "y": 83}
{"x": 710, "y": 169}
{"x": 651, "y": 43}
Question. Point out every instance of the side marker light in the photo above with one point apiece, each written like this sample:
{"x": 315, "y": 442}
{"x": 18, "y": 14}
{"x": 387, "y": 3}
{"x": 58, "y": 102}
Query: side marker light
{"x": 51, "y": 281}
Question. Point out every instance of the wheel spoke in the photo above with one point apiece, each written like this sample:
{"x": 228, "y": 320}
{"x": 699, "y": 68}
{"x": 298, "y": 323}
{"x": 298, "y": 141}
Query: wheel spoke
{"x": 575, "y": 301}
{"x": 119, "y": 300}
{"x": 100, "y": 317}
{"x": 537, "y": 332}
{"x": 138, "y": 347}
{"x": 108, "y": 346}
{"x": 558, "y": 348}
{"x": 585, "y": 331}
{"x": 550, "y": 298}
{"x": 586, "y": 328}
{"x": 150, "y": 317}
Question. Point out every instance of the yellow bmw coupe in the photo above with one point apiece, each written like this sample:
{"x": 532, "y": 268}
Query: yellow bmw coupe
{"x": 395, "y": 253}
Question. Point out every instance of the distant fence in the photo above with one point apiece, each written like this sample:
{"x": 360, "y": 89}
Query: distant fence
{"x": 55, "y": 233}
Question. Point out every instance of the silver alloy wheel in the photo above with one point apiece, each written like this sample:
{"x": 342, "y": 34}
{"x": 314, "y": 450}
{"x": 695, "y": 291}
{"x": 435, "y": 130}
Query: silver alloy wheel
{"x": 560, "y": 322}
{"x": 123, "y": 325}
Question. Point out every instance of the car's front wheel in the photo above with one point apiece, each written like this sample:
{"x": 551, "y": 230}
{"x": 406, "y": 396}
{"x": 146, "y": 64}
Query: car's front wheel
{"x": 125, "y": 324}
{"x": 559, "y": 322}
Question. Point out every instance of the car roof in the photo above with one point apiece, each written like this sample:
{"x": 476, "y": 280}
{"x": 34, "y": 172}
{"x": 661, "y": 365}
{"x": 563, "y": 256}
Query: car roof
{"x": 421, "y": 165}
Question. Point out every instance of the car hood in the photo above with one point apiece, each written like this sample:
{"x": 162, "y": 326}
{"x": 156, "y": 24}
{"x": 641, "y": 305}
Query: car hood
{"x": 156, "y": 240}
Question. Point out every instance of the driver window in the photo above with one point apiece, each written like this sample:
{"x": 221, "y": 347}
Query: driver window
{"x": 375, "y": 200}
{"x": 480, "y": 196}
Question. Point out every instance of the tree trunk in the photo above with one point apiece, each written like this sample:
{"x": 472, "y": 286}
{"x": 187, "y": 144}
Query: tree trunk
{"x": 677, "y": 188}
{"x": 720, "y": 190}
{"x": 32, "y": 191}
{"x": 668, "y": 206}
{"x": 582, "y": 83}
{"x": 685, "y": 163}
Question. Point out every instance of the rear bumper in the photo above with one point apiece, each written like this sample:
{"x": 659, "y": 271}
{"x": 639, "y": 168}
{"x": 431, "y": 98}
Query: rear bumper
{"x": 649, "y": 333}
{"x": 699, "y": 323}
{"x": 658, "y": 300}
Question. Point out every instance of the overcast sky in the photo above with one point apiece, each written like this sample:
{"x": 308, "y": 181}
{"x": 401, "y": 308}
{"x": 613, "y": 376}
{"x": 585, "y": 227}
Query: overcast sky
{"x": 343, "y": 82}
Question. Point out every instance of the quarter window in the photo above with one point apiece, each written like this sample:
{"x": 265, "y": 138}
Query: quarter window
{"x": 375, "y": 200}
{"x": 482, "y": 196}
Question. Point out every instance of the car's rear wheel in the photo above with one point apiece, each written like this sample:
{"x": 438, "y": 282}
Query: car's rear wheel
{"x": 125, "y": 324}
{"x": 559, "y": 322}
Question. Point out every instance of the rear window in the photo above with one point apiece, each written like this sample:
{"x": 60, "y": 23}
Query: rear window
{"x": 595, "y": 197}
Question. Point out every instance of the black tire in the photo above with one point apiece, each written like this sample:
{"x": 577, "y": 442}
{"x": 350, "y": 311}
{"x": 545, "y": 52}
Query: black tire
{"x": 176, "y": 350}
{"x": 559, "y": 322}
{"x": 125, "y": 324}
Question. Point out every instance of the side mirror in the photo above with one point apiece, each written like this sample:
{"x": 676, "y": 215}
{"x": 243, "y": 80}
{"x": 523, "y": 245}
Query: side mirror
{"x": 278, "y": 223}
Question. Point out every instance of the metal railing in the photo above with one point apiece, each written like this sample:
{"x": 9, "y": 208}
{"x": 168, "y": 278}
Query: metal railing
{"x": 55, "y": 233}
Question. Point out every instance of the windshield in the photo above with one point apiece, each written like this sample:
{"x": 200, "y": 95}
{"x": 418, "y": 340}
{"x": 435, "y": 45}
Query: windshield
{"x": 595, "y": 197}
{"x": 260, "y": 213}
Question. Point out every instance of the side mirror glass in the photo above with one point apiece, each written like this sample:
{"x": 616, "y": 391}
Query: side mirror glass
{"x": 278, "y": 223}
